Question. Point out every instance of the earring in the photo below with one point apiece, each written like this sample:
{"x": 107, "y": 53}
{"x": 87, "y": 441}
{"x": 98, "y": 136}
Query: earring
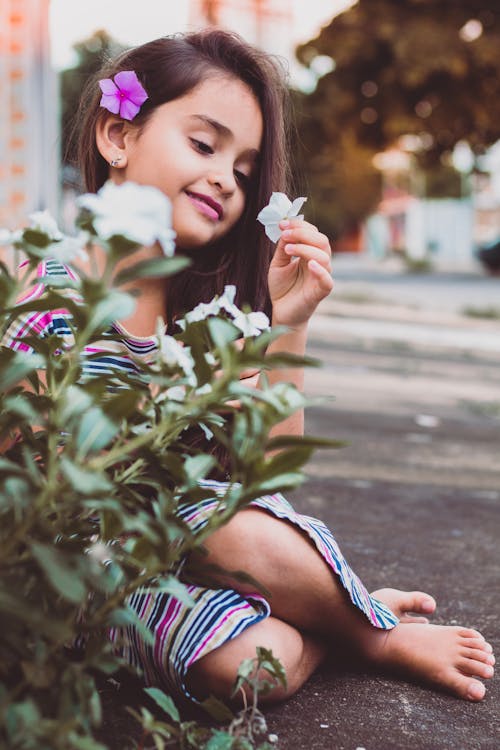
{"x": 114, "y": 162}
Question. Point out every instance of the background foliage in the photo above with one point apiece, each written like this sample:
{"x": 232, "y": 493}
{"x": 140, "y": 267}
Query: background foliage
{"x": 400, "y": 67}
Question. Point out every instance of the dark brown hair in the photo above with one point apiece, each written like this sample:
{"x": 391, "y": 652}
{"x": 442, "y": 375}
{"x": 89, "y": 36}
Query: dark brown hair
{"x": 171, "y": 67}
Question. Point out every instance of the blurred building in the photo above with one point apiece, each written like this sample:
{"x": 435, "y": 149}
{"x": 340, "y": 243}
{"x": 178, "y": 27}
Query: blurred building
{"x": 29, "y": 158}
{"x": 269, "y": 24}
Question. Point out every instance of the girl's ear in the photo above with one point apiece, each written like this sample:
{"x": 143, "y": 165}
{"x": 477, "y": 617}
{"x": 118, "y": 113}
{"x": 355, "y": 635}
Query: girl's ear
{"x": 111, "y": 139}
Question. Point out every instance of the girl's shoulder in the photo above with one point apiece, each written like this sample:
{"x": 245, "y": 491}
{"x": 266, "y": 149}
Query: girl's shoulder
{"x": 33, "y": 318}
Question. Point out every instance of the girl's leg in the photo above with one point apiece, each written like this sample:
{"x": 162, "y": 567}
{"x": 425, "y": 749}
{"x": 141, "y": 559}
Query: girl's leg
{"x": 306, "y": 595}
{"x": 299, "y": 654}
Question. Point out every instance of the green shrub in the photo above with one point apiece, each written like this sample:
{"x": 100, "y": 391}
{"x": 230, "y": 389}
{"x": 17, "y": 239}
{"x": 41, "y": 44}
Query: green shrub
{"x": 105, "y": 458}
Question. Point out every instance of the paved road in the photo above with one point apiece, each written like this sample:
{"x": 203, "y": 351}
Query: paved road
{"x": 414, "y": 498}
{"x": 413, "y": 386}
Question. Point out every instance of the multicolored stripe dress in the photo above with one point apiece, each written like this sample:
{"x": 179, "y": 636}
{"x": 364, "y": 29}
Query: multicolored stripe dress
{"x": 183, "y": 634}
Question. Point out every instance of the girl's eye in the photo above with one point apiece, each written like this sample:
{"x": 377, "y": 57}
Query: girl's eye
{"x": 201, "y": 146}
{"x": 242, "y": 178}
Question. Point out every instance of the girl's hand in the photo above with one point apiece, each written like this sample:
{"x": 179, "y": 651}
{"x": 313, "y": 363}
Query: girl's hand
{"x": 300, "y": 273}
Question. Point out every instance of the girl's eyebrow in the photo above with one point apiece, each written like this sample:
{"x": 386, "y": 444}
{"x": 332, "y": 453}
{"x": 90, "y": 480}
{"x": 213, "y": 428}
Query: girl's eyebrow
{"x": 219, "y": 128}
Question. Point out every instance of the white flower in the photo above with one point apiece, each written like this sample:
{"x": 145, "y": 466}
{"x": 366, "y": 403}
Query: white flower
{"x": 279, "y": 208}
{"x": 43, "y": 222}
{"x": 174, "y": 354}
{"x": 205, "y": 309}
{"x": 140, "y": 213}
{"x": 176, "y": 393}
{"x": 100, "y": 552}
{"x": 204, "y": 389}
{"x": 63, "y": 247}
{"x": 69, "y": 248}
{"x": 251, "y": 324}
{"x": 5, "y": 237}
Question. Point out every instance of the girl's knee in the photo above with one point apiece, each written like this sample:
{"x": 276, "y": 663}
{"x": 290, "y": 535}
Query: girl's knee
{"x": 216, "y": 672}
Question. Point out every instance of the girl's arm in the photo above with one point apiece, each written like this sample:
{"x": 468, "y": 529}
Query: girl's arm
{"x": 299, "y": 278}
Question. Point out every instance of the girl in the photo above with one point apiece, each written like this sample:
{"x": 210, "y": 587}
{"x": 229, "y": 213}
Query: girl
{"x": 201, "y": 118}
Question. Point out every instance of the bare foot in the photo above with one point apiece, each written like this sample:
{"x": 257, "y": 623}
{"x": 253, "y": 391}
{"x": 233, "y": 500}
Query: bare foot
{"x": 408, "y": 606}
{"x": 445, "y": 656}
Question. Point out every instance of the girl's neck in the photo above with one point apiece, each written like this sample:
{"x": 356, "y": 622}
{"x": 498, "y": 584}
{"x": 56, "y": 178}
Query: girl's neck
{"x": 150, "y": 293}
{"x": 150, "y": 305}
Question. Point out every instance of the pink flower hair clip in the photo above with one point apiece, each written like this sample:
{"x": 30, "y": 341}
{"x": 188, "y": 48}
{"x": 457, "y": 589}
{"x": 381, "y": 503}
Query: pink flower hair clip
{"x": 123, "y": 94}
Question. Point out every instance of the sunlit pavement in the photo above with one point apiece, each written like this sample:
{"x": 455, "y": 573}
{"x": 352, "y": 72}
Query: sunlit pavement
{"x": 413, "y": 387}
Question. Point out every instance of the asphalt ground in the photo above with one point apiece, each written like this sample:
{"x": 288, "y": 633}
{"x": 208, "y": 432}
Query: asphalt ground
{"x": 413, "y": 498}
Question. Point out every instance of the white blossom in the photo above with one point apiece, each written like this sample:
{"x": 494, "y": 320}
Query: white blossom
{"x": 42, "y": 221}
{"x": 280, "y": 207}
{"x": 69, "y": 248}
{"x": 176, "y": 393}
{"x": 6, "y": 237}
{"x": 100, "y": 552}
{"x": 223, "y": 302}
{"x": 204, "y": 389}
{"x": 251, "y": 324}
{"x": 63, "y": 247}
{"x": 141, "y": 213}
{"x": 174, "y": 354}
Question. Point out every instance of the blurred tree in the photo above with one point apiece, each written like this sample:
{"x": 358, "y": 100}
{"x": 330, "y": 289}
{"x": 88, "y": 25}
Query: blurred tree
{"x": 91, "y": 54}
{"x": 423, "y": 68}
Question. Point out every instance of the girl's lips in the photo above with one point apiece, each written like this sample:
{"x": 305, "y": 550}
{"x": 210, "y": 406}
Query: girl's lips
{"x": 206, "y": 205}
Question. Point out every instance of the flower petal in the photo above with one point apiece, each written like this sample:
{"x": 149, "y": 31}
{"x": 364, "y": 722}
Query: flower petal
{"x": 273, "y": 232}
{"x": 110, "y": 102}
{"x": 268, "y": 214}
{"x": 128, "y": 109}
{"x": 108, "y": 86}
{"x": 128, "y": 82}
{"x": 281, "y": 203}
{"x": 296, "y": 206}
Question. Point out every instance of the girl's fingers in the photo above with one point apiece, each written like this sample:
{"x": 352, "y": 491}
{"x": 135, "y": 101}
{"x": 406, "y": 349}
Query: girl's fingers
{"x": 309, "y": 252}
{"x": 323, "y": 276}
{"x": 307, "y": 234}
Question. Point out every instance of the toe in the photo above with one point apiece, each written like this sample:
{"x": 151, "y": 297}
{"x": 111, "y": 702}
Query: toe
{"x": 479, "y": 644}
{"x": 464, "y": 687}
{"x": 475, "y": 668}
{"x": 407, "y": 617}
{"x": 469, "y": 633}
{"x": 475, "y": 691}
{"x": 478, "y": 655}
{"x": 418, "y": 601}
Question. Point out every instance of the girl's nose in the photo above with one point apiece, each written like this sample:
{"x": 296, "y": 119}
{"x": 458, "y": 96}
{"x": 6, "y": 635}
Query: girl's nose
{"x": 223, "y": 179}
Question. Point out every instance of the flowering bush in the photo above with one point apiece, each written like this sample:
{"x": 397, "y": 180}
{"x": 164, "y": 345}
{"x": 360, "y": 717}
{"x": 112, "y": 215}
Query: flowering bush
{"x": 90, "y": 461}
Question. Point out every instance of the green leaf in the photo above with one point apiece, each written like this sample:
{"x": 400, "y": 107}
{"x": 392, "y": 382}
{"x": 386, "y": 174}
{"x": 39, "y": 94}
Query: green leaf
{"x": 11, "y": 605}
{"x": 220, "y": 740}
{"x": 86, "y": 482}
{"x": 222, "y": 332}
{"x": 175, "y": 588}
{"x": 157, "y": 267}
{"x": 95, "y": 431}
{"x": 37, "y": 238}
{"x": 197, "y": 467}
{"x": 114, "y": 306}
{"x": 123, "y": 618}
{"x": 289, "y": 441}
{"x": 79, "y": 742}
{"x": 217, "y": 710}
{"x": 22, "y": 407}
{"x": 165, "y": 702}
{"x": 14, "y": 366}
{"x": 21, "y": 716}
{"x": 60, "y": 571}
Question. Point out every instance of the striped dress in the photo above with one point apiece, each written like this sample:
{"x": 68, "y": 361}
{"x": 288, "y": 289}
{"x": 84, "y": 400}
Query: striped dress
{"x": 182, "y": 633}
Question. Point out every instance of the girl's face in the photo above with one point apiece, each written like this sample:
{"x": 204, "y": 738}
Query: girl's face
{"x": 201, "y": 150}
